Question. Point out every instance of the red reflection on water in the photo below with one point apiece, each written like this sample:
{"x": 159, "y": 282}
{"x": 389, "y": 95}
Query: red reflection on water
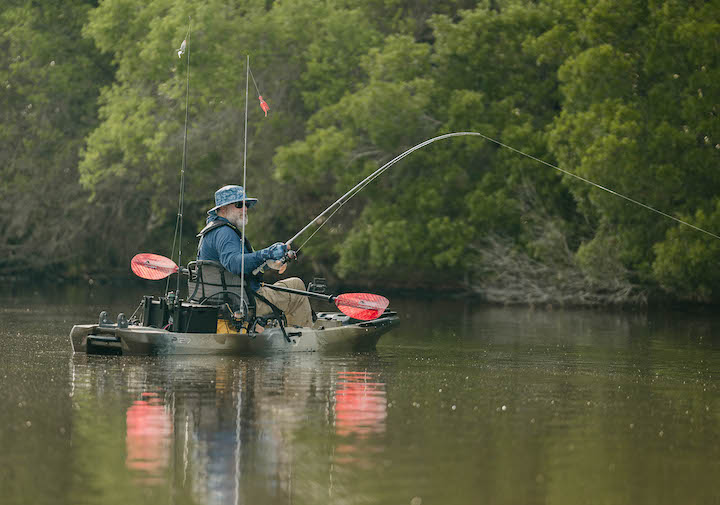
{"x": 360, "y": 404}
{"x": 149, "y": 427}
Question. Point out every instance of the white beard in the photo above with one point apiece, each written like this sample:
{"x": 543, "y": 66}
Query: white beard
{"x": 239, "y": 222}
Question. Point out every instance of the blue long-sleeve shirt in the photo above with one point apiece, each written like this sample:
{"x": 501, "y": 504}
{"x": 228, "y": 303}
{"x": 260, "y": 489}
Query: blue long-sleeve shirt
{"x": 224, "y": 245}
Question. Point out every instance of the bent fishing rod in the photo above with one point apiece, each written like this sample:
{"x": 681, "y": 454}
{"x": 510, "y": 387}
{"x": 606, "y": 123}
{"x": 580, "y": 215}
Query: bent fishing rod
{"x": 354, "y": 191}
{"x": 335, "y": 206}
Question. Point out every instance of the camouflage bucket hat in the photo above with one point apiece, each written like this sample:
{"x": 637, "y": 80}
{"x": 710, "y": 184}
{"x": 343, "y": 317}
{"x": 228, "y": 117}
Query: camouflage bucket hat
{"x": 231, "y": 194}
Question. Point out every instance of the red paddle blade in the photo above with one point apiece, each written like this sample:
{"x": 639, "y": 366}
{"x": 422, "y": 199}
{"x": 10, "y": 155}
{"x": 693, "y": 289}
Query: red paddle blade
{"x": 363, "y": 306}
{"x": 152, "y": 266}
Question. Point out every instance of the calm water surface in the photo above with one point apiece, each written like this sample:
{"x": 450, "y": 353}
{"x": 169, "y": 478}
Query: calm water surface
{"x": 463, "y": 404}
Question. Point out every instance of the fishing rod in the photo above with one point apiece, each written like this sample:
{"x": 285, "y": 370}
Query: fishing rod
{"x": 245, "y": 209}
{"x": 184, "y": 49}
{"x": 335, "y": 206}
{"x": 361, "y": 185}
{"x": 355, "y": 190}
{"x": 377, "y": 173}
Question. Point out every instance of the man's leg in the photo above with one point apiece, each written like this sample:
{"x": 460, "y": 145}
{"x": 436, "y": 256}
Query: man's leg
{"x": 296, "y": 307}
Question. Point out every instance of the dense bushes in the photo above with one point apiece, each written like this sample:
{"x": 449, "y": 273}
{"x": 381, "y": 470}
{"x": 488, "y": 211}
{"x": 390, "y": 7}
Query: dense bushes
{"x": 625, "y": 94}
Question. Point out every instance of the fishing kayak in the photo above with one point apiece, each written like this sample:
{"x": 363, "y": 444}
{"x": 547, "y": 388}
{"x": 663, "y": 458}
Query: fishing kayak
{"x": 211, "y": 319}
{"x": 332, "y": 331}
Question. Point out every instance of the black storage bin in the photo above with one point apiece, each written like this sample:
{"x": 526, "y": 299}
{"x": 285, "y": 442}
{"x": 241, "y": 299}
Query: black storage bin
{"x": 190, "y": 318}
{"x": 196, "y": 318}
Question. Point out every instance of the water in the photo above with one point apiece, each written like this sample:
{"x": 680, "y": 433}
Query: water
{"x": 461, "y": 404}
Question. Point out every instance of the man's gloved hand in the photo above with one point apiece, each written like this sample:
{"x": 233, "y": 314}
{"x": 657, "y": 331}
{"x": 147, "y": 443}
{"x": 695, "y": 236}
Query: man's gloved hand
{"x": 280, "y": 266}
{"x": 274, "y": 252}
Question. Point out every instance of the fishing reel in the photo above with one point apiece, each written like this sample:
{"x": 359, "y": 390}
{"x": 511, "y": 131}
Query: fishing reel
{"x": 290, "y": 256}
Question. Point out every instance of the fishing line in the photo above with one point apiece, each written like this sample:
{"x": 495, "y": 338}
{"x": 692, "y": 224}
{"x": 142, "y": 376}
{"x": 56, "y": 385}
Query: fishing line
{"x": 321, "y": 225}
{"x": 362, "y": 184}
{"x": 253, "y": 80}
{"x": 612, "y": 192}
{"x": 359, "y": 188}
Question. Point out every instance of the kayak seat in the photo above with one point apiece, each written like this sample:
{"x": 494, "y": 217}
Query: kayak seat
{"x": 209, "y": 283}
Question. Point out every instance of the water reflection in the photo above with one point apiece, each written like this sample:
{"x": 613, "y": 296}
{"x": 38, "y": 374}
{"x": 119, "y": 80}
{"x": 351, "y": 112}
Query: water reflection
{"x": 227, "y": 430}
{"x": 360, "y": 404}
{"x": 360, "y": 412}
{"x": 149, "y": 430}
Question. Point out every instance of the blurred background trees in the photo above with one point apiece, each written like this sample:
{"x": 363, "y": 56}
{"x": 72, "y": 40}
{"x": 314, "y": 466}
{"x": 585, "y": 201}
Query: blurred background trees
{"x": 623, "y": 93}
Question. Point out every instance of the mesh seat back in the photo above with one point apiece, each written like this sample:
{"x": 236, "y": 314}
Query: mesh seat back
{"x": 209, "y": 282}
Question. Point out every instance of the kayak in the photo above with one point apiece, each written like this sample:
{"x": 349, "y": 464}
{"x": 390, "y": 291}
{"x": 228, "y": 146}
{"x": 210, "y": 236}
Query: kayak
{"x": 211, "y": 321}
{"x": 332, "y": 331}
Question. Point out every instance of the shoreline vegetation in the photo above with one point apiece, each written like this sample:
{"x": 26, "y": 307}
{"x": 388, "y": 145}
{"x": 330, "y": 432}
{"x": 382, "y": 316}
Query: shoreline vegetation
{"x": 534, "y": 295}
{"x": 625, "y": 94}
{"x": 88, "y": 288}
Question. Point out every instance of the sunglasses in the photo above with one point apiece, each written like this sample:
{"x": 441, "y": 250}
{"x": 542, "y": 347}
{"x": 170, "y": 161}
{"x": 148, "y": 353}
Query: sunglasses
{"x": 239, "y": 205}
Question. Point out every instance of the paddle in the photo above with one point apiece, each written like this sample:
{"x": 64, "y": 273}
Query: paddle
{"x": 362, "y": 306}
{"x": 152, "y": 266}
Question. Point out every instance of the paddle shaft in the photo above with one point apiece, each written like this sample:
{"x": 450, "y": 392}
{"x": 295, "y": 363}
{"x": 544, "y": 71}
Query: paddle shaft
{"x": 319, "y": 296}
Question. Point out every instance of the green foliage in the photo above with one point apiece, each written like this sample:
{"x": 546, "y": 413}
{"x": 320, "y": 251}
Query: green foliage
{"x": 599, "y": 258}
{"x": 624, "y": 94}
{"x": 333, "y": 55}
{"x": 686, "y": 261}
{"x": 596, "y": 75}
{"x": 441, "y": 201}
{"x": 635, "y": 119}
{"x": 49, "y": 78}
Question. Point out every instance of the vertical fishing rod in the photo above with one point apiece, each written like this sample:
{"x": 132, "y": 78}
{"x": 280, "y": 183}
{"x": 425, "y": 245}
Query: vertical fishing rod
{"x": 184, "y": 160}
{"x": 245, "y": 208}
{"x": 184, "y": 48}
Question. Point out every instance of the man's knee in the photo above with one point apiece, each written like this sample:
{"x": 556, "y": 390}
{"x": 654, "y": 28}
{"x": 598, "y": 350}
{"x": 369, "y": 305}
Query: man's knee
{"x": 294, "y": 283}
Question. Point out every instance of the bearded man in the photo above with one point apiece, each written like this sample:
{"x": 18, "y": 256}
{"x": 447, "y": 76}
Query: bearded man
{"x": 221, "y": 241}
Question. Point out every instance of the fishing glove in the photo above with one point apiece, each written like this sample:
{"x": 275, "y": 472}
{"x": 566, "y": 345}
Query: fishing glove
{"x": 274, "y": 252}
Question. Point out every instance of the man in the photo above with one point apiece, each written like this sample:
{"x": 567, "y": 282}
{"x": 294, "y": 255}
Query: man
{"x": 221, "y": 241}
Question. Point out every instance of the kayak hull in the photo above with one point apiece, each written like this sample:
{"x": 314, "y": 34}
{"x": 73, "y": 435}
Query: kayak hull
{"x": 331, "y": 332}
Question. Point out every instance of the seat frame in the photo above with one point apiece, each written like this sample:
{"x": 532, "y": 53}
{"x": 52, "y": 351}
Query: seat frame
{"x": 209, "y": 280}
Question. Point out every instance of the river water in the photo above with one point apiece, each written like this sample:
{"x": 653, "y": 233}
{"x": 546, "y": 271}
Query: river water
{"x": 462, "y": 404}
